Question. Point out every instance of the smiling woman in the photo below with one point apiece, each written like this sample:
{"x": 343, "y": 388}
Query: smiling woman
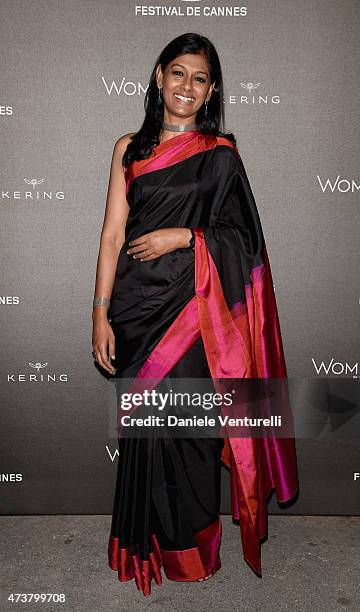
{"x": 184, "y": 265}
{"x": 186, "y": 87}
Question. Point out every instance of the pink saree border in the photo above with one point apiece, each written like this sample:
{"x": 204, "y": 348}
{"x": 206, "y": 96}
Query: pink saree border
{"x": 257, "y": 465}
{"x": 179, "y": 565}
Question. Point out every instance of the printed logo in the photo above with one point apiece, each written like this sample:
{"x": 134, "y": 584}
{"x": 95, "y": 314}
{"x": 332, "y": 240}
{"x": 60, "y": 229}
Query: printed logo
{"x": 250, "y": 86}
{"x": 190, "y": 8}
{"x": 9, "y": 300}
{"x": 38, "y": 376}
{"x": 6, "y": 110}
{"x": 342, "y": 185}
{"x": 33, "y": 194}
{"x": 10, "y": 477}
{"x": 34, "y": 182}
{"x": 251, "y": 98}
{"x": 136, "y": 88}
{"x": 336, "y": 368}
{"x": 38, "y": 366}
{"x": 114, "y": 455}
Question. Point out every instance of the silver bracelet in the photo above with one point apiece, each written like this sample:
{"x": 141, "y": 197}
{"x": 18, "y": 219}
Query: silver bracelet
{"x": 101, "y": 301}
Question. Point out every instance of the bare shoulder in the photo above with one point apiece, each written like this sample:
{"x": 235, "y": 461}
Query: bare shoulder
{"x": 122, "y": 143}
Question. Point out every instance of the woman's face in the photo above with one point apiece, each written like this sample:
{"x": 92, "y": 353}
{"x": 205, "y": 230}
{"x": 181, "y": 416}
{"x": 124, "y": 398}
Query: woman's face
{"x": 186, "y": 85}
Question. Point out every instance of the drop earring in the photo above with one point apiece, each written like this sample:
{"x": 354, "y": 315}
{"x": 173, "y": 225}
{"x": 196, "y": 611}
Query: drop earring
{"x": 206, "y": 108}
{"x": 159, "y": 96}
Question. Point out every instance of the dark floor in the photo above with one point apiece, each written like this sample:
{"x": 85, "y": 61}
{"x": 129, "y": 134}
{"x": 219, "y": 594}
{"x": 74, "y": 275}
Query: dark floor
{"x": 309, "y": 563}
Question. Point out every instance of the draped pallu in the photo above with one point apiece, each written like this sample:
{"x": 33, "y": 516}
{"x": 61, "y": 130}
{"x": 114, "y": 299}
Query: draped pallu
{"x": 221, "y": 292}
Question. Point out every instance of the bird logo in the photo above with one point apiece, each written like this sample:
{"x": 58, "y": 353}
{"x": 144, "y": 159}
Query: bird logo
{"x": 38, "y": 366}
{"x": 34, "y": 182}
{"x": 250, "y": 86}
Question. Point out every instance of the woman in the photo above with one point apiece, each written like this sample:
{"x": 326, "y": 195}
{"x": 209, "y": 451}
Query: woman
{"x": 184, "y": 289}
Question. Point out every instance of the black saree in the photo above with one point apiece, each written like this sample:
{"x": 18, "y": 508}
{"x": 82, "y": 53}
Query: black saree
{"x": 203, "y": 313}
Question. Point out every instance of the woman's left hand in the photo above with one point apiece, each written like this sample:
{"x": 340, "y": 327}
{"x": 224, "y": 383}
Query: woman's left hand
{"x": 154, "y": 244}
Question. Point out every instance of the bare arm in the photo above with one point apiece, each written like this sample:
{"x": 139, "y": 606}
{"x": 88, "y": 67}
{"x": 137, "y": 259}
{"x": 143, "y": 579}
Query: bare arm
{"x": 111, "y": 240}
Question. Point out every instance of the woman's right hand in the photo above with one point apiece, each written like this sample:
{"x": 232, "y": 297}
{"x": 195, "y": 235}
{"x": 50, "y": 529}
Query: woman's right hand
{"x": 103, "y": 340}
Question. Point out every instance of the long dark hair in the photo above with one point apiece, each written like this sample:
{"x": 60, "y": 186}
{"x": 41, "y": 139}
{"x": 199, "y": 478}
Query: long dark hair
{"x": 213, "y": 122}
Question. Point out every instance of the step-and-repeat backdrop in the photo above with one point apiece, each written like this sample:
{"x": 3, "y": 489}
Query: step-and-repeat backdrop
{"x": 74, "y": 74}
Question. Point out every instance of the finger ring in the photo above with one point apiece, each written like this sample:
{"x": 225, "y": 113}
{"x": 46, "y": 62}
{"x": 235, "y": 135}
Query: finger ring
{"x": 94, "y": 355}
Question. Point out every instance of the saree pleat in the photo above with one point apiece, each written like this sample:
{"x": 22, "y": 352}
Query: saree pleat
{"x": 204, "y": 313}
{"x": 167, "y": 499}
